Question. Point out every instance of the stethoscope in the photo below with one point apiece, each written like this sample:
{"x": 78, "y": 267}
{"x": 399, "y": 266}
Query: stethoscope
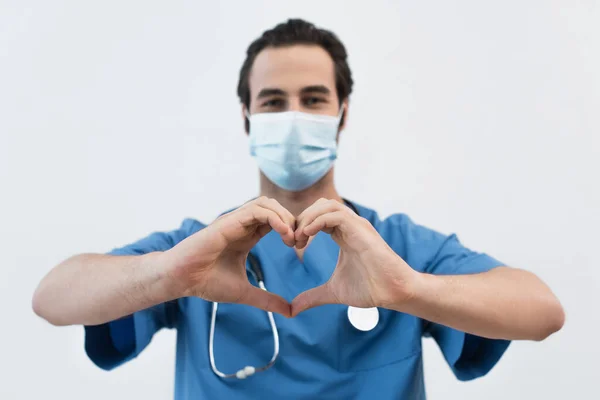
{"x": 364, "y": 319}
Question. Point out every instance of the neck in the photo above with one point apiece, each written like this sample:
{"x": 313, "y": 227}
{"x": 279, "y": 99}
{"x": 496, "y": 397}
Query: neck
{"x": 296, "y": 202}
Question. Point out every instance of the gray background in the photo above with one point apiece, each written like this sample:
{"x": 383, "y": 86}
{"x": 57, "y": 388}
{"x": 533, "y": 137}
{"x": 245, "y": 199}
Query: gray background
{"x": 120, "y": 118}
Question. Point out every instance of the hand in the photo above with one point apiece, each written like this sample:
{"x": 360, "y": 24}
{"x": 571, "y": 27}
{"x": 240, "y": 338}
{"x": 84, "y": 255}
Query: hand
{"x": 368, "y": 273}
{"x": 211, "y": 264}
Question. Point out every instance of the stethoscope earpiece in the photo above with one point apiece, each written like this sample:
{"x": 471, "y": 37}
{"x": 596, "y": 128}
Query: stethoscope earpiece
{"x": 245, "y": 372}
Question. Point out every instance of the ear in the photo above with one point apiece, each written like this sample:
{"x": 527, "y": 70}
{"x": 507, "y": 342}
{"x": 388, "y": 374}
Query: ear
{"x": 245, "y": 119}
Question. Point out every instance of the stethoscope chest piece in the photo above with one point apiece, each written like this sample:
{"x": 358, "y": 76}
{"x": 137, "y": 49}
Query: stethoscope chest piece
{"x": 363, "y": 319}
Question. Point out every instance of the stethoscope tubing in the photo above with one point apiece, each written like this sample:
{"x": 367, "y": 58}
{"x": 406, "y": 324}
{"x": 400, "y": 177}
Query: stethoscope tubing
{"x": 257, "y": 273}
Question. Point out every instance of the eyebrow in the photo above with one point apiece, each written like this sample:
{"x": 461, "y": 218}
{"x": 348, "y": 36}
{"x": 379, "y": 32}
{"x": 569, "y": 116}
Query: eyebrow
{"x": 270, "y": 92}
{"x": 315, "y": 89}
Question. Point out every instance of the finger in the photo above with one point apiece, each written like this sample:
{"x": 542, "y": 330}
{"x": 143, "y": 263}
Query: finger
{"x": 313, "y": 206}
{"x": 320, "y": 207}
{"x": 274, "y": 205}
{"x": 312, "y": 298}
{"x": 263, "y": 230}
{"x": 326, "y": 223}
{"x": 267, "y": 301}
{"x": 259, "y": 215}
{"x": 284, "y": 214}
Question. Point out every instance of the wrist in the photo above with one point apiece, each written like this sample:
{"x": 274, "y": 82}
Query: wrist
{"x": 409, "y": 289}
{"x": 164, "y": 286}
{"x": 423, "y": 288}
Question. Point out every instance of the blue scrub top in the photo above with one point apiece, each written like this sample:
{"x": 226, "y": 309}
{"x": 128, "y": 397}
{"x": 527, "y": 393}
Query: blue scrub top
{"x": 321, "y": 354}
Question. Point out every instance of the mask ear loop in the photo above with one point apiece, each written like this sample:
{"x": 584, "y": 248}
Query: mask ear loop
{"x": 341, "y": 116}
{"x": 341, "y": 113}
{"x": 247, "y": 121}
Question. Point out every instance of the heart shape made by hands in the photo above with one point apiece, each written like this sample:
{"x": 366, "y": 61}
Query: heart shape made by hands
{"x": 212, "y": 263}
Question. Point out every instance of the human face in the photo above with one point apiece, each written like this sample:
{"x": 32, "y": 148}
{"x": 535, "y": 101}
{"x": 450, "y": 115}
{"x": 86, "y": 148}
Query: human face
{"x": 293, "y": 78}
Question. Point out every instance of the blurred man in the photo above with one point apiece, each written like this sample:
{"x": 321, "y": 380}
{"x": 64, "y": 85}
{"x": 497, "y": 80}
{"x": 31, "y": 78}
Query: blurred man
{"x": 353, "y": 294}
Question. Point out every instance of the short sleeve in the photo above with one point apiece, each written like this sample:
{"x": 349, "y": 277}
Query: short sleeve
{"x": 114, "y": 343}
{"x": 431, "y": 252}
{"x": 468, "y": 355}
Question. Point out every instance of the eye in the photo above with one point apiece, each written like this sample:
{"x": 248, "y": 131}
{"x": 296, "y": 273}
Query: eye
{"x": 273, "y": 103}
{"x": 312, "y": 101}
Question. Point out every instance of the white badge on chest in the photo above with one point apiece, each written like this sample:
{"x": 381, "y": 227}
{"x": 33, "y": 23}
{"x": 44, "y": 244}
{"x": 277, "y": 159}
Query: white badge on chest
{"x": 363, "y": 319}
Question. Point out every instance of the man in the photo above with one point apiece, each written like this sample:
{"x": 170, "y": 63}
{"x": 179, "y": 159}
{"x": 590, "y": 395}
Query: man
{"x": 323, "y": 259}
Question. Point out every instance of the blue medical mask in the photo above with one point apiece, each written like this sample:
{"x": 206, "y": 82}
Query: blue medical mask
{"x": 294, "y": 149}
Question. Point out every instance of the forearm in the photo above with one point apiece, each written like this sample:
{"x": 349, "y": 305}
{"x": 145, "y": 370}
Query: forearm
{"x": 503, "y": 303}
{"x": 92, "y": 289}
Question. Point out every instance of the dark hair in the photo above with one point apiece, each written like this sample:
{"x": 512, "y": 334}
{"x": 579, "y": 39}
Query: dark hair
{"x": 298, "y": 31}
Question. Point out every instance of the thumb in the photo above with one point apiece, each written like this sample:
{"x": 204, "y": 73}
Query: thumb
{"x": 264, "y": 300}
{"x": 313, "y": 298}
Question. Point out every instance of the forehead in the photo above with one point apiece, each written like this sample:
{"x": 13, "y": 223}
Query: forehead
{"x": 291, "y": 68}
